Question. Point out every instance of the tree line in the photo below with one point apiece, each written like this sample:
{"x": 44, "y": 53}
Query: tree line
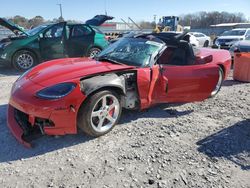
{"x": 33, "y": 22}
{"x": 205, "y": 19}
{"x": 195, "y": 20}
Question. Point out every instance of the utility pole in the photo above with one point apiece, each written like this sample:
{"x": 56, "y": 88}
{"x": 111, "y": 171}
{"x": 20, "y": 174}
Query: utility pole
{"x": 105, "y": 6}
{"x": 61, "y": 17}
{"x": 155, "y": 18}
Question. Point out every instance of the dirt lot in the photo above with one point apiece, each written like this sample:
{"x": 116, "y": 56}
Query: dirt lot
{"x": 203, "y": 144}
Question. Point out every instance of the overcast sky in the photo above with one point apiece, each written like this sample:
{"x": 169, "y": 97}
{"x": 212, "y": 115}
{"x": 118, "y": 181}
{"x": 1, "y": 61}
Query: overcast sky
{"x": 138, "y": 10}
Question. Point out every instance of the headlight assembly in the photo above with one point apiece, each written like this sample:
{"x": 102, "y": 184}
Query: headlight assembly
{"x": 57, "y": 91}
{"x": 216, "y": 42}
{"x": 4, "y": 44}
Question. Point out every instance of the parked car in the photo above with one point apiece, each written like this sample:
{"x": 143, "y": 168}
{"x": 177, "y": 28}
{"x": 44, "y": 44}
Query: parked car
{"x": 240, "y": 46}
{"x": 49, "y": 41}
{"x": 59, "y": 96}
{"x": 193, "y": 40}
{"x": 203, "y": 40}
{"x": 228, "y": 38}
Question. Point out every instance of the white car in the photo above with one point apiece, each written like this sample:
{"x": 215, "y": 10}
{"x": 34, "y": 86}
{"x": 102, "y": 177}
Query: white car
{"x": 192, "y": 39}
{"x": 203, "y": 40}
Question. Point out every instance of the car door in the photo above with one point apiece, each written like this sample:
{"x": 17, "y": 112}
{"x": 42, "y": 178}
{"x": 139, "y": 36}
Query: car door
{"x": 52, "y": 42}
{"x": 80, "y": 40}
{"x": 185, "y": 83}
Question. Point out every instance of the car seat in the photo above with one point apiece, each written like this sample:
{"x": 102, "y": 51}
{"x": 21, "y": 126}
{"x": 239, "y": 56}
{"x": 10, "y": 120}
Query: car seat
{"x": 183, "y": 54}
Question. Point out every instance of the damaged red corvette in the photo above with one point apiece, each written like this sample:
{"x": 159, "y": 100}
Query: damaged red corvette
{"x": 136, "y": 72}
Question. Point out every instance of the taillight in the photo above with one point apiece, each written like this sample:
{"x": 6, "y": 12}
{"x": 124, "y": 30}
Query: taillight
{"x": 238, "y": 54}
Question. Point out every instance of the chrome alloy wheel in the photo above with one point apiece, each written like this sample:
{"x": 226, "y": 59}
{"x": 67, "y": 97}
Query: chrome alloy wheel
{"x": 94, "y": 53}
{"x": 105, "y": 113}
{"x": 218, "y": 85}
{"x": 25, "y": 61}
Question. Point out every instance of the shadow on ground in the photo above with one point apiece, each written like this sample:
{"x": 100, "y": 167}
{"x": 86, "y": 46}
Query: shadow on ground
{"x": 11, "y": 150}
{"x": 232, "y": 82}
{"x": 159, "y": 111}
{"x": 232, "y": 143}
{"x": 8, "y": 71}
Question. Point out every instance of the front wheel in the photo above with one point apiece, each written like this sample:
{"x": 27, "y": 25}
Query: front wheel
{"x": 219, "y": 83}
{"x": 100, "y": 113}
{"x": 93, "y": 52}
{"x": 24, "y": 60}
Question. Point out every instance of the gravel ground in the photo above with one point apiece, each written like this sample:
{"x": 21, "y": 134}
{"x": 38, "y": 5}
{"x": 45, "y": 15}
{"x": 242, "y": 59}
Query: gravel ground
{"x": 202, "y": 144}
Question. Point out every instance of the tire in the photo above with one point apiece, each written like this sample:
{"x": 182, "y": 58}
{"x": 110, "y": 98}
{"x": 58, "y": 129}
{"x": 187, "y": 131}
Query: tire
{"x": 97, "y": 117}
{"x": 24, "y": 60}
{"x": 93, "y": 52}
{"x": 219, "y": 83}
{"x": 206, "y": 43}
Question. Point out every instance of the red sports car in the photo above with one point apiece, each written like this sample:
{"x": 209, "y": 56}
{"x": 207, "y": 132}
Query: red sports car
{"x": 136, "y": 72}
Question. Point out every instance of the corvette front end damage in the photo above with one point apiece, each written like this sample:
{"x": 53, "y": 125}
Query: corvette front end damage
{"x": 30, "y": 117}
{"x": 92, "y": 84}
{"x": 15, "y": 128}
{"x": 27, "y": 127}
{"x": 123, "y": 82}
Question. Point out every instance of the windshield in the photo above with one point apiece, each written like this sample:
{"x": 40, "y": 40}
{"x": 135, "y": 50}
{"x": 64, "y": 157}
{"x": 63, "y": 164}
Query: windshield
{"x": 131, "y": 51}
{"x": 234, "y": 33}
{"x": 35, "y": 30}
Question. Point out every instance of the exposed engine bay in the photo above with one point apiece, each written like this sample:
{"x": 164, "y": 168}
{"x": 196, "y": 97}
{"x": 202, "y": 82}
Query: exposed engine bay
{"x": 131, "y": 98}
{"x": 123, "y": 82}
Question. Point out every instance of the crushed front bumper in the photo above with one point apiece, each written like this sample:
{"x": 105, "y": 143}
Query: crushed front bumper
{"x": 30, "y": 117}
{"x": 15, "y": 128}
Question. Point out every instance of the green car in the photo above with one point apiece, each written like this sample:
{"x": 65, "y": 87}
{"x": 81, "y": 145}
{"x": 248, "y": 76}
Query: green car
{"x": 49, "y": 41}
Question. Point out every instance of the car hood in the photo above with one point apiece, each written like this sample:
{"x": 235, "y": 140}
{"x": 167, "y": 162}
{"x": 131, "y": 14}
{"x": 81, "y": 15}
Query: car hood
{"x": 11, "y": 26}
{"x": 70, "y": 69}
{"x": 98, "y": 20}
{"x": 243, "y": 43}
{"x": 230, "y": 37}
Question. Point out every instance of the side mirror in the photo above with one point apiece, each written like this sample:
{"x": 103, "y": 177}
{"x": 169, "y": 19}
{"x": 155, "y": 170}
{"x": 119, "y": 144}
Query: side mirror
{"x": 204, "y": 60}
{"x": 208, "y": 59}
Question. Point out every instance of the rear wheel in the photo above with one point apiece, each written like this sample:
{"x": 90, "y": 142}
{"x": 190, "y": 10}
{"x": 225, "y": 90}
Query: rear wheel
{"x": 100, "y": 113}
{"x": 24, "y": 60}
{"x": 93, "y": 52}
{"x": 219, "y": 83}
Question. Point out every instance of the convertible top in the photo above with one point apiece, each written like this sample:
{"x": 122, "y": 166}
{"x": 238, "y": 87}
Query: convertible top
{"x": 169, "y": 38}
{"x": 98, "y": 20}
